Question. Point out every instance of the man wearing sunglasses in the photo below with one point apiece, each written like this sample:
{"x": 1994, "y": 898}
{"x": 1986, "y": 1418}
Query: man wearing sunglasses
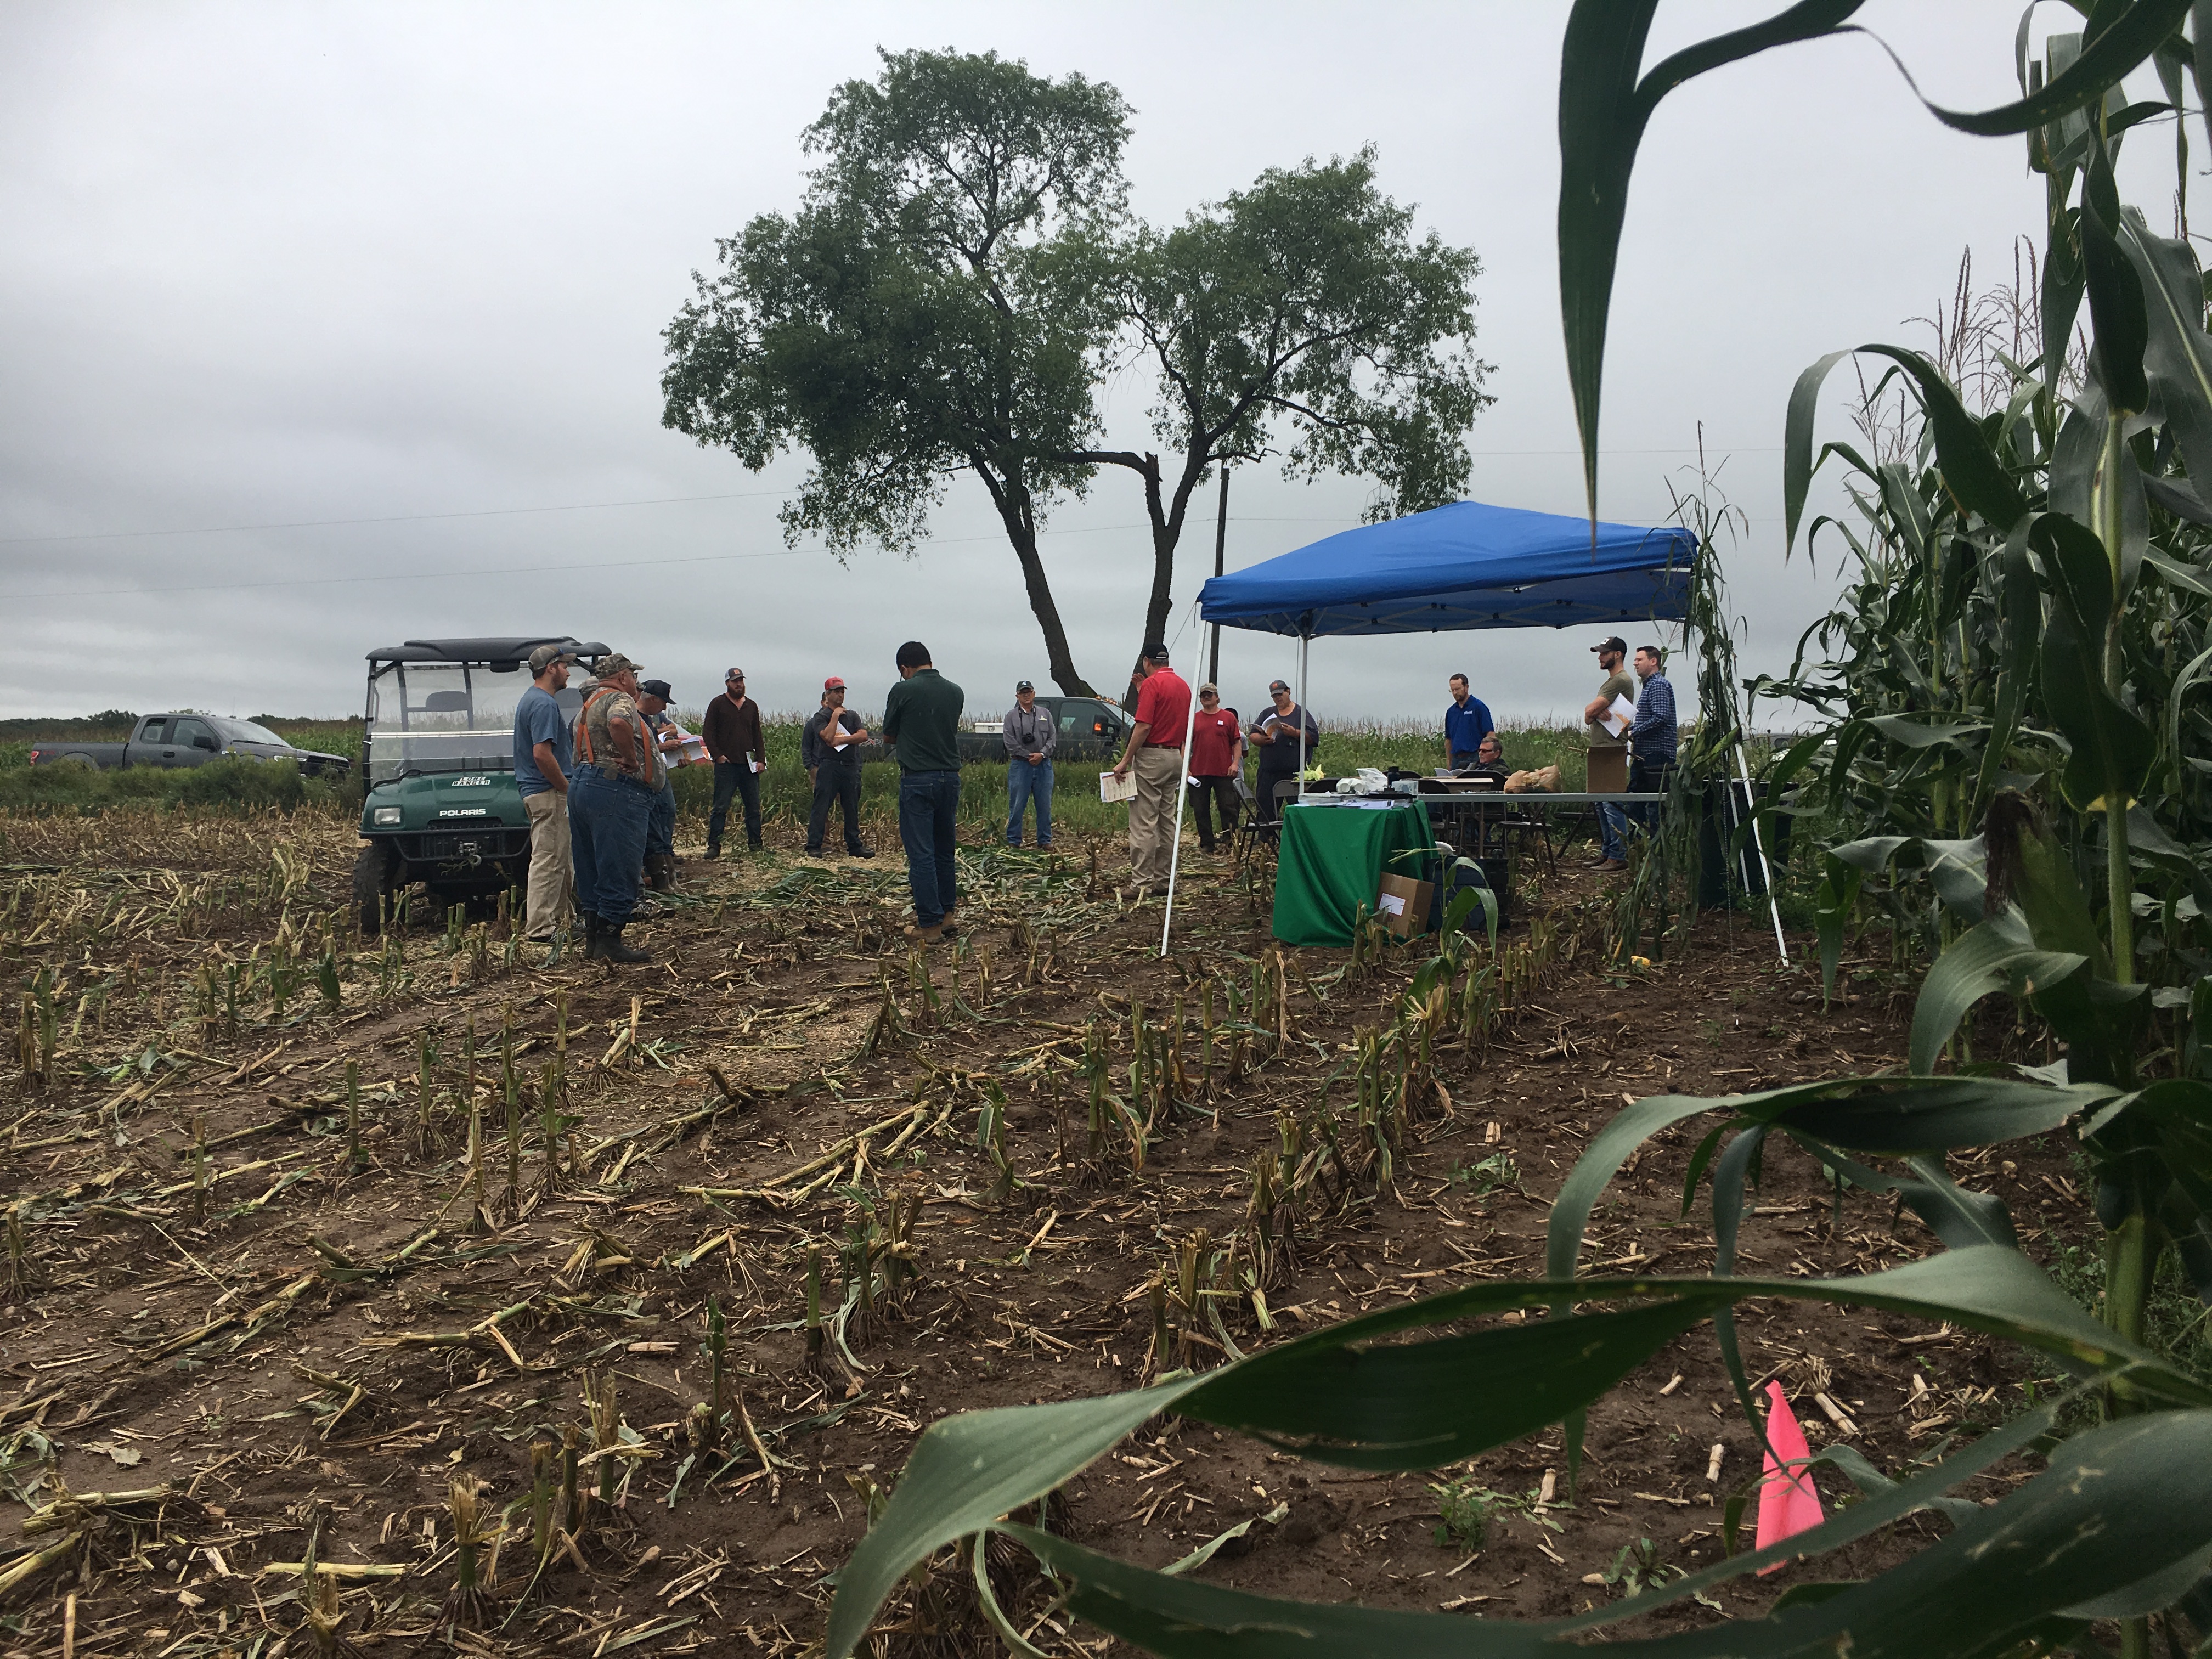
{"x": 732, "y": 732}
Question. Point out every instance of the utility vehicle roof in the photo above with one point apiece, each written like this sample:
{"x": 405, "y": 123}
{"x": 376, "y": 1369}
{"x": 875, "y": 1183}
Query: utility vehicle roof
{"x": 490, "y": 650}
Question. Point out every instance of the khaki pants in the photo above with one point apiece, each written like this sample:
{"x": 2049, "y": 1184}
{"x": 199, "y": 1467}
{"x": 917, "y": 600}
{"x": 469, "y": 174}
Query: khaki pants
{"x": 552, "y": 866}
{"x": 1152, "y": 814}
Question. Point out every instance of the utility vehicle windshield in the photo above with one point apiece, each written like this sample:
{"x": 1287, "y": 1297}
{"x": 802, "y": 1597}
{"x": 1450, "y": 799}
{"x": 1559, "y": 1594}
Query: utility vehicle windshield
{"x": 446, "y": 717}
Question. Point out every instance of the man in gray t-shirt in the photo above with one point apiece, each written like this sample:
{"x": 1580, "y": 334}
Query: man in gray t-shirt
{"x": 543, "y": 755}
{"x": 1612, "y": 653}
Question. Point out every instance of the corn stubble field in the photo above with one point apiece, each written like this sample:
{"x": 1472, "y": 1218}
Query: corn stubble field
{"x": 422, "y": 1290}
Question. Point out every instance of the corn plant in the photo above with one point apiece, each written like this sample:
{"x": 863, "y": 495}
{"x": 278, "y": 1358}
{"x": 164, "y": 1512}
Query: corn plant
{"x": 2073, "y": 523}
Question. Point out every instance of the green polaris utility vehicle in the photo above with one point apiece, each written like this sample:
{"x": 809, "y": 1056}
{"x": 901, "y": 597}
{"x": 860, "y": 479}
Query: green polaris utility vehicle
{"x": 437, "y": 764}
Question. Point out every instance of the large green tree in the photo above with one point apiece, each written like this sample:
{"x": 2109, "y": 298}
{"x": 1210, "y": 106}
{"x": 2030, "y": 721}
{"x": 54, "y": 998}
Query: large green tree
{"x": 962, "y": 278}
{"x": 1300, "y": 315}
{"x": 931, "y": 309}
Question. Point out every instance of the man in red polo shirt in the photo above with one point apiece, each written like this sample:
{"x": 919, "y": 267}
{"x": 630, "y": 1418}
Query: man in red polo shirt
{"x": 1155, "y": 753}
{"x": 1216, "y": 744}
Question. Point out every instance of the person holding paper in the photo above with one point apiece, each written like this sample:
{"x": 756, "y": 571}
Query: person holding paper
{"x": 733, "y": 732}
{"x": 1607, "y": 731}
{"x": 829, "y": 744}
{"x": 1274, "y": 736}
{"x": 1155, "y": 754}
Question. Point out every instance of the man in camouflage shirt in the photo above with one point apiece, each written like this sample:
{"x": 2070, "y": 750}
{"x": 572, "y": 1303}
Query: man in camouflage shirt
{"x": 618, "y": 772}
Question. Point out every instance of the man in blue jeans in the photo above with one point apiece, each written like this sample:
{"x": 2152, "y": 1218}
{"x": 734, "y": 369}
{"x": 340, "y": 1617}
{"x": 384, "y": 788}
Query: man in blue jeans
{"x": 1029, "y": 736}
{"x": 921, "y": 726}
{"x": 618, "y": 772}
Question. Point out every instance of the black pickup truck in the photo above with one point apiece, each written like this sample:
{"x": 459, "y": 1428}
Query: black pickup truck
{"x": 1090, "y": 729}
{"x": 180, "y": 738}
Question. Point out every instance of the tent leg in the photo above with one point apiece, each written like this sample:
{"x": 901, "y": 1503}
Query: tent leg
{"x": 1773, "y": 908}
{"x": 1182, "y": 798}
{"x": 1304, "y": 641}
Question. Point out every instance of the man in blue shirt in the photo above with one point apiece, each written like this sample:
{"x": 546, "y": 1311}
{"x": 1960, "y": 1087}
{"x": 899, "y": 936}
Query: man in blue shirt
{"x": 1467, "y": 723}
{"x": 543, "y": 755}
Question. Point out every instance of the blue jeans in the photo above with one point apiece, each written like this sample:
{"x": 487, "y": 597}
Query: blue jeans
{"x": 1027, "y": 782}
{"x": 607, "y": 819}
{"x": 660, "y": 823}
{"x": 929, "y": 806}
{"x": 1644, "y": 777}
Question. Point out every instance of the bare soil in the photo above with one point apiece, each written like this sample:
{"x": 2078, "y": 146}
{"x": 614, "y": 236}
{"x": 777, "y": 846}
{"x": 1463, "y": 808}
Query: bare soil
{"x": 293, "y": 1348}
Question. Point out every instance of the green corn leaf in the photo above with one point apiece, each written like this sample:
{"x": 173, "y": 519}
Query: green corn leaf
{"x": 2179, "y": 354}
{"x": 2112, "y": 749}
{"x": 2132, "y": 37}
{"x": 2116, "y": 312}
{"x": 971, "y": 1470}
{"x": 1998, "y": 955}
{"x": 2114, "y": 1502}
{"x": 1798, "y": 462}
{"x": 1603, "y": 110}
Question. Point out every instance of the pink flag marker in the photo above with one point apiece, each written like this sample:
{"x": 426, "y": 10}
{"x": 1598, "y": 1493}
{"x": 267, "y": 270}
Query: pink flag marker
{"x": 1787, "y": 1503}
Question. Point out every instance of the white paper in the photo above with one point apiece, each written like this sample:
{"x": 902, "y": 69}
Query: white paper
{"x": 1111, "y": 788}
{"x": 1390, "y": 904}
{"x": 1617, "y": 719}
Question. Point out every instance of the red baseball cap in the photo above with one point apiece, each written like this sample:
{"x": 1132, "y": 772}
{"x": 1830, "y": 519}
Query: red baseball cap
{"x": 833, "y": 683}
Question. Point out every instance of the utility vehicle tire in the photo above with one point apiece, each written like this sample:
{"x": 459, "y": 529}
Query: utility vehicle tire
{"x": 376, "y": 887}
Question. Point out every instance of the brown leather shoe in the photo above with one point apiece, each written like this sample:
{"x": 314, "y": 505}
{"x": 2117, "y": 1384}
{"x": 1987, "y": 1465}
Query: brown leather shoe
{"x": 921, "y": 935}
{"x": 1609, "y": 866}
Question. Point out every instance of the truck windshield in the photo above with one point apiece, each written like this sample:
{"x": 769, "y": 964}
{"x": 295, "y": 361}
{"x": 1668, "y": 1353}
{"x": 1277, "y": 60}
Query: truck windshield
{"x": 438, "y": 717}
{"x": 247, "y": 732}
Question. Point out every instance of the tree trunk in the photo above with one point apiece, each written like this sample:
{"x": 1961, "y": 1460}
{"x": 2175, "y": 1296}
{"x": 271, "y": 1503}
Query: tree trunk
{"x": 1011, "y": 497}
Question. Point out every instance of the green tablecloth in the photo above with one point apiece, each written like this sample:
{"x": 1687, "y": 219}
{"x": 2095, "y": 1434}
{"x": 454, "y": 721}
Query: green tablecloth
{"x": 1333, "y": 857}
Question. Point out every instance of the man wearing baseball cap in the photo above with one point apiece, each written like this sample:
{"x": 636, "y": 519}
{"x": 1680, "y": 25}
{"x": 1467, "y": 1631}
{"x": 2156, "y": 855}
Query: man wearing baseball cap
{"x": 731, "y": 730}
{"x": 618, "y": 772}
{"x": 1155, "y": 753}
{"x": 542, "y": 760}
{"x": 1612, "y": 653}
{"x": 1029, "y": 736}
{"x": 830, "y": 746}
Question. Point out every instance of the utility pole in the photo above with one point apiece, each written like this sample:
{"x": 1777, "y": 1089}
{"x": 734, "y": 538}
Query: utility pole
{"x": 1220, "y": 544}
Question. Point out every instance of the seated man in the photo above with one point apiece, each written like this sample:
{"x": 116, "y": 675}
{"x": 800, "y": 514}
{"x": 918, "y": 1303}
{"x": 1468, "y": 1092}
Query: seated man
{"x": 1489, "y": 760}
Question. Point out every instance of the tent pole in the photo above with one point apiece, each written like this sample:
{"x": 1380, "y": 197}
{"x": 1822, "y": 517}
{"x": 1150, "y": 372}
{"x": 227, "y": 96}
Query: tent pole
{"x": 1220, "y": 549}
{"x": 1304, "y": 640}
{"x": 1183, "y": 796}
{"x": 1773, "y": 909}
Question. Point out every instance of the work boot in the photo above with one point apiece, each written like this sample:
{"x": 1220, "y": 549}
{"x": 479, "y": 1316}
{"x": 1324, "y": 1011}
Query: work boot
{"x": 862, "y": 850}
{"x": 611, "y": 948}
{"x": 660, "y": 873}
{"x": 591, "y": 935}
{"x": 713, "y": 849}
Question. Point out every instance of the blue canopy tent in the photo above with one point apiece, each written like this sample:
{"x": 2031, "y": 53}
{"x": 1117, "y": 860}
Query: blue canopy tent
{"x": 1465, "y": 566}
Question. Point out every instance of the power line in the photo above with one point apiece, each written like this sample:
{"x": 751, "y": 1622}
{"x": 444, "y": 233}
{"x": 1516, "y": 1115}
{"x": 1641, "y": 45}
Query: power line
{"x": 659, "y": 501}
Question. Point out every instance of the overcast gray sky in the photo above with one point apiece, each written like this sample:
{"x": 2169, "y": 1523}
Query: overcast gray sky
{"x": 331, "y": 326}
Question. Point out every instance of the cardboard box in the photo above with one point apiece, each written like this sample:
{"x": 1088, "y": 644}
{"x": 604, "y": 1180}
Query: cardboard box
{"x": 1608, "y": 771}
{"x": 1403, "y": 905}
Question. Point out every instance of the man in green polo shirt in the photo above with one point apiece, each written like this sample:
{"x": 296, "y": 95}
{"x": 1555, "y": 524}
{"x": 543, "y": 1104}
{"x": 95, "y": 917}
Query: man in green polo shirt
{"x": 921, "y": 726}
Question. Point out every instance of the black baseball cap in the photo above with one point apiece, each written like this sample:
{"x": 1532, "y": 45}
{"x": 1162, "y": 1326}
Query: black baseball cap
{"x": 1156, "y": 653}
{"x": 1024, "y": 685}
{"x": 1612, "y": 642}
{"x": 659, "y": 688}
